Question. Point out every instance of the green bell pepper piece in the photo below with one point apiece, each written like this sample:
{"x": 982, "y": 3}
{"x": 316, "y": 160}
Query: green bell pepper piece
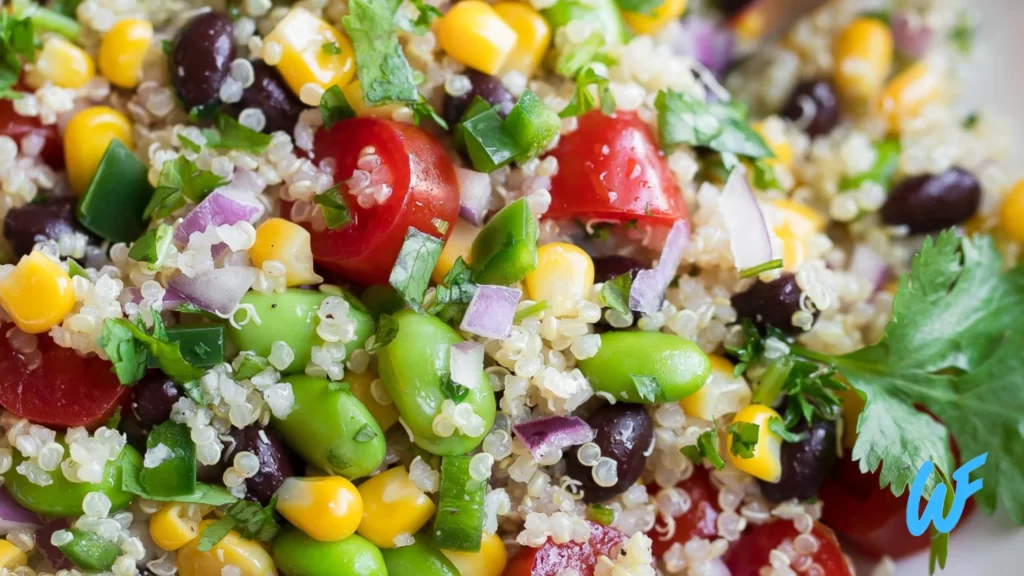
{"x": 505, "y": 250}
{"x": 112, "y": 207}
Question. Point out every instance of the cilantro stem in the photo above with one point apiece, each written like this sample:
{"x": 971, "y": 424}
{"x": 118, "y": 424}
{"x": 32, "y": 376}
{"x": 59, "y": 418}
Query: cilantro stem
{"x": 773, "y": 381}
{"x": 756, "y": 270}
{"x": 48, "y": 20}
{"x": 810, "y": 354}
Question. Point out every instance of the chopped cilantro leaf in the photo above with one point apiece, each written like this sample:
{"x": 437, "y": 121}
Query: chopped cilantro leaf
{"x": 424, "y": 17}
{"x": 129, "y": 347}
{"x": 230, "y": 135}
{"x": 180, "y": 181}
{"x": 364, "y": 434}
{"x": 17, "y": 41}
{"x": 452, "y": 296}
{"x": 410, "y": 275}
{"x": 252, "y": 521}
{"x": 778, "y": 427}
{"x": 647, "y": 387}
{"x": 601, "y": 514}
{"x": 336, "y": 214}
{"x": 152, "y": 246}
{"x": 721, "y": 126}
{"x": 331, "y": 49}
{"x": 744, "y": 438}
{"x": 584, "y": 100}
{"x": 387, "y": 329}
{"x": 706, "y": 448}
{"x": 572, "y": 61}
{"x": 334, "y": 107}
{"x": 452, "y": 391}
{"x": 422, "y": 109}
{"x": 765, "y": 177}
{"x": 384, "y": 73}
{"x": 189, "y": 144}
{"x": 250, "y": 365}
{"x": 615, "y": 293}
{"x": 531, "y": 310}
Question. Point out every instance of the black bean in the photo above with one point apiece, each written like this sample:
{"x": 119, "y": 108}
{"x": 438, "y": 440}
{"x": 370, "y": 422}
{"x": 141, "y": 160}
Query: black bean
{"x": 731, "y": 7}
{"x": 815, "y": 105}
{"x": 931, "y": 202}
{"x": 48, "y": 218}
{"x": 275, "y": 465}
{"x": 200, "y": 58}
{"x": 625, "y": 434}
{"x": 487, "y": 87}
{"x": 805, "y": 464}
{"x": 273, "y": 97}
{"x": 152, "y": 399}
{"x": 610, "y": 267}
{"x": 771, "y": 303}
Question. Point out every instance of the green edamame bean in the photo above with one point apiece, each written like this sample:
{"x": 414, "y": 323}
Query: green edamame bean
{"x": 296, "y": 554}
{"x": 420, "y": 558}
{"x": 90, "y": 551}
{"x": 63, "y": 497}
{"x": 331, "y": 428}
{"x": 679, "y": 366}
{"x": 413, "y": 368}
{"x": 291, "y": 317}
{"x": 605, "y": 13}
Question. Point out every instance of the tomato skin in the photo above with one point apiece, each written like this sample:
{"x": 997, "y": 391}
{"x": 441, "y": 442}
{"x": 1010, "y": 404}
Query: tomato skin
{"x": 698, "y": 522}
{"x": 611, "y": 169}
{"x": 424, "y": 193}
{"x": 871, "y": 518}
{"x": 17, "y": 127}
{"x": 746, "y": 556}
{"x": 552, "y": 559}
{"x": 64, "y": 390}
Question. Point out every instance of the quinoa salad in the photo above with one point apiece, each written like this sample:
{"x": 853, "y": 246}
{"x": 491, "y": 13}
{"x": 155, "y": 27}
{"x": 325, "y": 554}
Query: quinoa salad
{"x": 499, "y": 288}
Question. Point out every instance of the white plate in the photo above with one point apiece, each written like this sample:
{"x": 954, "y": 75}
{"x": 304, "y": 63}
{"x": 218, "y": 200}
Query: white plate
{"x": 994, "y": 80}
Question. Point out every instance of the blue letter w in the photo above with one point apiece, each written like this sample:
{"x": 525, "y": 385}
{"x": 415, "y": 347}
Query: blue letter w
{"x": 933, "y": 511}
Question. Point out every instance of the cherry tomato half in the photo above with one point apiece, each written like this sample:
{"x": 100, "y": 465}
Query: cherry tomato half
{"x": 750, "y": 553}
{"x": 64, "y": 390}
{"x": 17, "y": 127}
{"x": 609, "y": 168}
{"x": 424, "y": 195}
{"x": 697, "y": 522}
{"x": 553, "y": 559}
{"x": 871, "y": 518}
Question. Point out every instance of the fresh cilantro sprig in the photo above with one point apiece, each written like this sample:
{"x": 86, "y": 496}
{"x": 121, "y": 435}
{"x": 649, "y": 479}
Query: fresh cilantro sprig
{"x": 706, "y": 448}
{"x": 584, "y": 99}
{"x": 384, "y": 73}
{"x": 231, "y": 135}
{"x": 744, "y": 438}
{"x": 129, "y": 347}
{"x": 336, "y": 212}
{"x": 615, "y": 293}
{"x": 721, "y": 126}
{"x": 180, "y": 182}
{"x": 17, "y": 41}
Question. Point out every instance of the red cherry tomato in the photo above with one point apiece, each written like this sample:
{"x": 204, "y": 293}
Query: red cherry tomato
{"x": 425, "y": 196}
{"x": 17, "y": 127}
{"x": 610, "y": 169}
{"x": 552, "y": 559}
{"x": 750, "y": 553}
{"x": 697, "y": 522}
{"x": 64, "y": 390}
{"x": 871, "y": 518}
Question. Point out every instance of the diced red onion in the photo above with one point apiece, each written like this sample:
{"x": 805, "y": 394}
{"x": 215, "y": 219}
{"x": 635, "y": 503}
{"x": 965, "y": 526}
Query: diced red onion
{"x": 466, "y": 363}
{"x": 171, "y": 300}
{"x": 704, "y": 41}
{"x": 48, "y": 550}
{"x": 911, "y": 36}
{"x": 545, "y": 435}
{"x": 13, "y": 516}
{"x": 648, "y": 288}
{"x": 869, "y": 265}
{"x": 748, "y": 232}
{"x": 218, "y": 291}
{"x": 224, "y": 206}
{"x": 491, "y": 311}
{"x": 474, "y": 195}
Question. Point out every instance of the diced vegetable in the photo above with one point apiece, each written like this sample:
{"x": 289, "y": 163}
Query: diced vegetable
{"x": 748, "y": 232}
{"x": 171, "y": 448}
{"x": 545, "y": 435}
{"x": 491, "y": 311}
{"x": 218, "y": 291}
{"x": 460, "y": 508}
{"x": 505, "y": 251}
{"x": 201, "y": 344}
{"x": 90, "y": 551}
{"x": 121, "y": 180}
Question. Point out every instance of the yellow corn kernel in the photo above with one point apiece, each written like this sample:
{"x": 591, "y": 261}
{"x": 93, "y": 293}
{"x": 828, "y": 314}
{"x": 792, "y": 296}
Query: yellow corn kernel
{"x": 460, "y": 243}
{"x": 797, "y": 224}
{"x": 1011, "y": 215}
{"x": 749, "y": 24}
{"x": 86, "y": 139}
{"x": 853, "y": 405}
{"x": 473, "y": 34}
{"x": 37, "y": 294}
{"x": 247, "y": 556}
{"x": 774, "y": 136}
{"x": 564, "y": 275}
{"x": 766, "y": 463}
{"x": 301, "y": 36}
{"x": 909, "y": 92}
{"x": 61, "y": 63}
{"x": 722, "y": 394}
{"x": 490, "y": 560}
{"x": 286, "y": 242}
{"x": 123, "y": 51}
{"x": 393, "y": 508}
{"x": 11, "y": 556}
{"x": 668, "y": 11}
{"x": 863, "y": 55}
{"x": 361, "y": 385}
{"x": 353, "y": 92}
{"x": 175, "y": 524}
{"x": 533, "y": 37}
{"x": 326, "y": 508}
